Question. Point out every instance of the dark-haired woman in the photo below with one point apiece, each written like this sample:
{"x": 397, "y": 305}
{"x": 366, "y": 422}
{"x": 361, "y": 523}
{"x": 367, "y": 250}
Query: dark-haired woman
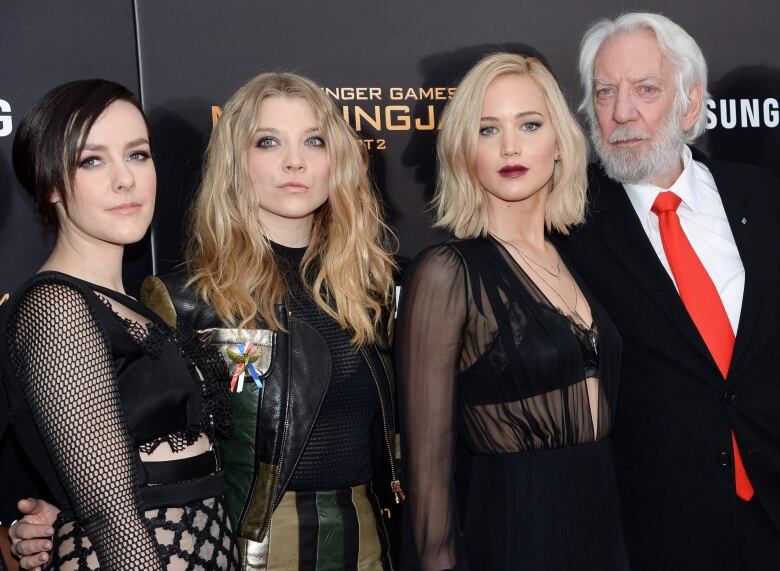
{"x": 114, "y": 408}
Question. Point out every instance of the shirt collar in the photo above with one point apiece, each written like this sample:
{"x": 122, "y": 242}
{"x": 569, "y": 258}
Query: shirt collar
{"x": 642, "y": 196}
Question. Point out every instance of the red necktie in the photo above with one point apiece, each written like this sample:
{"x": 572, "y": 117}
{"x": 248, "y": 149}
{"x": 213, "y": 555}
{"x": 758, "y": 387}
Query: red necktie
{"x": 703, "y": 303}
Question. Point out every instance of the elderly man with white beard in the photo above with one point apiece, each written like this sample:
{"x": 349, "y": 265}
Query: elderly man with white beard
{"x": 683, "y": 253}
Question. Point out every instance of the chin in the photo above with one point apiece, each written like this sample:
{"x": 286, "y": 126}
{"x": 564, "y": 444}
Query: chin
{"x": 127, "y": 237}
{"x": 297, "y": 209}
{"x": 520, "y": 192}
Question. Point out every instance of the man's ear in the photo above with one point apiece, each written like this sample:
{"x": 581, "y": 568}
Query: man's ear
{"x": 692, "y": 113}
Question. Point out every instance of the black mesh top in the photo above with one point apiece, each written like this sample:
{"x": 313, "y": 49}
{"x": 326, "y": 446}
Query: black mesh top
{"x": 502, "y": 391}
{"x": 338, "y": 452}
{"x": 87, "y": 389}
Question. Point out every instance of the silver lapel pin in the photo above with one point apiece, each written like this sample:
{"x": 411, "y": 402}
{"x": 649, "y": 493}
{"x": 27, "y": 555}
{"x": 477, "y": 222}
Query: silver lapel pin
{"x": 744, "y": 221}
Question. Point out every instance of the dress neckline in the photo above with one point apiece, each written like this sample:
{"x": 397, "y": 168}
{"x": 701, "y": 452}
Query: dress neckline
{"x": 123, "y": 298}
{"x": 588, "y": 329}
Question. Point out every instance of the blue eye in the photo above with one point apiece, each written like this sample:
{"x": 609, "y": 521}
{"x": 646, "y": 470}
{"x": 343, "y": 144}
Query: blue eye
{"x": 604, "y": 92}
{"x": 266, "y": 143}
{"x": 89, "y": 162}
{"x": 139, "y": 156}
{"x": 316, "y": 141}
{"x": 487, "y": 131}
{"x": 648, "y": 89}
{"x": 530, "y": 126}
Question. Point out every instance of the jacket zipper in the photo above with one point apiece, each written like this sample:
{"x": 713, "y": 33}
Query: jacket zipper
{"x": 380, "y": 519}
{"x": 395, "y": 484}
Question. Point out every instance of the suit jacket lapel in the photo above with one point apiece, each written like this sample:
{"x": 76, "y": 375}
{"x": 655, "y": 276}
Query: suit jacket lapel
{"x": 748, "y": 237}
{"x": 620, "y": 230}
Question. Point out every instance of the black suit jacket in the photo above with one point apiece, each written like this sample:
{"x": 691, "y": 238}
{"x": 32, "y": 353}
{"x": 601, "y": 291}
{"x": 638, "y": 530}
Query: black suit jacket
{"x": 675, "y": 413}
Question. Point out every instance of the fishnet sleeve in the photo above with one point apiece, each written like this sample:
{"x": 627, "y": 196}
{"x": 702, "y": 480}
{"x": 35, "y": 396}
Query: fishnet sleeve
{"x": 64, "y": 363}
{"x": 429, "y": 341}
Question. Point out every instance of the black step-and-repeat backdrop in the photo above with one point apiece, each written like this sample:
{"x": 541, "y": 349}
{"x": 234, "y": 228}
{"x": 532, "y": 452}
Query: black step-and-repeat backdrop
{"x": 390, "y": 66}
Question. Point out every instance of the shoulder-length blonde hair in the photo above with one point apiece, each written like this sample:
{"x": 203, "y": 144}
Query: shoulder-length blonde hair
{"x": 459, "y": 201}
{"x": 229, "y": 257}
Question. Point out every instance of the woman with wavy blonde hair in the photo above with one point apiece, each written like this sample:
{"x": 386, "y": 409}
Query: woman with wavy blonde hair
{"x": 503, "y": 354}
{"x": 288, "y": 274}
{"x": 347, "y": 232}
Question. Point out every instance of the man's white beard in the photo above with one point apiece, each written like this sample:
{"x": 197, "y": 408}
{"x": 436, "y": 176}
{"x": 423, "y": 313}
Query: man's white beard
{"x": 646, "y": 163}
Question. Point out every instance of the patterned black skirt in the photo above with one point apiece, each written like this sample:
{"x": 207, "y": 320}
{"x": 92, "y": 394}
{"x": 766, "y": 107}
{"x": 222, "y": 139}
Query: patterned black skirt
{"x": 196, "y": 537}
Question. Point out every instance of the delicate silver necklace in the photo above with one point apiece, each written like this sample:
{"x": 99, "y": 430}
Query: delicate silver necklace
{"x": 529, "y": 260}
{"x": 590, "y": 330}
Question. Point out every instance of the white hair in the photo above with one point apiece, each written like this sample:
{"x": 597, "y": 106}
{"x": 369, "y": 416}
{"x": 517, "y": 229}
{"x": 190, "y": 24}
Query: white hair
{"x": 676, "y": 44}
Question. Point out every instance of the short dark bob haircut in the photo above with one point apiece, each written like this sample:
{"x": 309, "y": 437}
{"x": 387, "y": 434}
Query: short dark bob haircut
{"x": 51, "y": 137}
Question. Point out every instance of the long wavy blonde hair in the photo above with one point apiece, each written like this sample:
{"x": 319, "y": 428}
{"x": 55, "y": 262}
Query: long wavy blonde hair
{"x": 230, "y": 259}
{"x": 459, "y": 202}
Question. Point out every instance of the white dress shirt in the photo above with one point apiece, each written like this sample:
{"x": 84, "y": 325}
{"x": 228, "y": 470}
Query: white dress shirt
{"x": 704, "y": 222}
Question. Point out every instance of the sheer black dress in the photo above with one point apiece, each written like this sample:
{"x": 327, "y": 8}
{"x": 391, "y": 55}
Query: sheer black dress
{"x": 88, "y": 390}
{"x": 507, "y": 409}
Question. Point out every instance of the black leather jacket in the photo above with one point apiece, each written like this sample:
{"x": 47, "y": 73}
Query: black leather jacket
{"x": 271, "y": 426}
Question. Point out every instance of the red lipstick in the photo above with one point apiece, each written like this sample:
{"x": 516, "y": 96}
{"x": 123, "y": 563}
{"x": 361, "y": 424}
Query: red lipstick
{"x": 513, "y": 171}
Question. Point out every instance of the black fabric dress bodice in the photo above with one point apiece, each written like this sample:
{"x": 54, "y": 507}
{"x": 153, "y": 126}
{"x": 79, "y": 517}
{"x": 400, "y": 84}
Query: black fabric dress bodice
{"x": 87, "y": 390}
{"x": 338, "y": 452}
{"x": 507, "y": 409}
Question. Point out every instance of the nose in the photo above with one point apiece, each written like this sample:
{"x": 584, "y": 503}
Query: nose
{"x": 624, "y": 110}
{"x": 293, "y": 160}
{"x": 510, "y": 143}
{"x": 124, "y": 179}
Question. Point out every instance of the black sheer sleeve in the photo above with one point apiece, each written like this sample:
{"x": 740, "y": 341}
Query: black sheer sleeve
{"x": 429, "y": 340}
{"x": 63, "y": 360}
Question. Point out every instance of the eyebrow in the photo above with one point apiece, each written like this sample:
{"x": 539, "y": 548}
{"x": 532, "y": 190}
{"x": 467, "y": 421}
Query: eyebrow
{"x": 517, "y": 116}
{"x": 137, "y": 142}
{"x": 134, "y": 143}
{"x": 273, "y": 130}
{"x": 637, "y": 80}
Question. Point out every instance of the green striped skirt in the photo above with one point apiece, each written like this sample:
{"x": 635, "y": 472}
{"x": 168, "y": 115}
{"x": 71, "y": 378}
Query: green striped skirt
{"x": 335, "y": 530}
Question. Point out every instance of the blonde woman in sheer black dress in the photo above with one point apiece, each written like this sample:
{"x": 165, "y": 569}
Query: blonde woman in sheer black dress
{"x": 508, "y": 366}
